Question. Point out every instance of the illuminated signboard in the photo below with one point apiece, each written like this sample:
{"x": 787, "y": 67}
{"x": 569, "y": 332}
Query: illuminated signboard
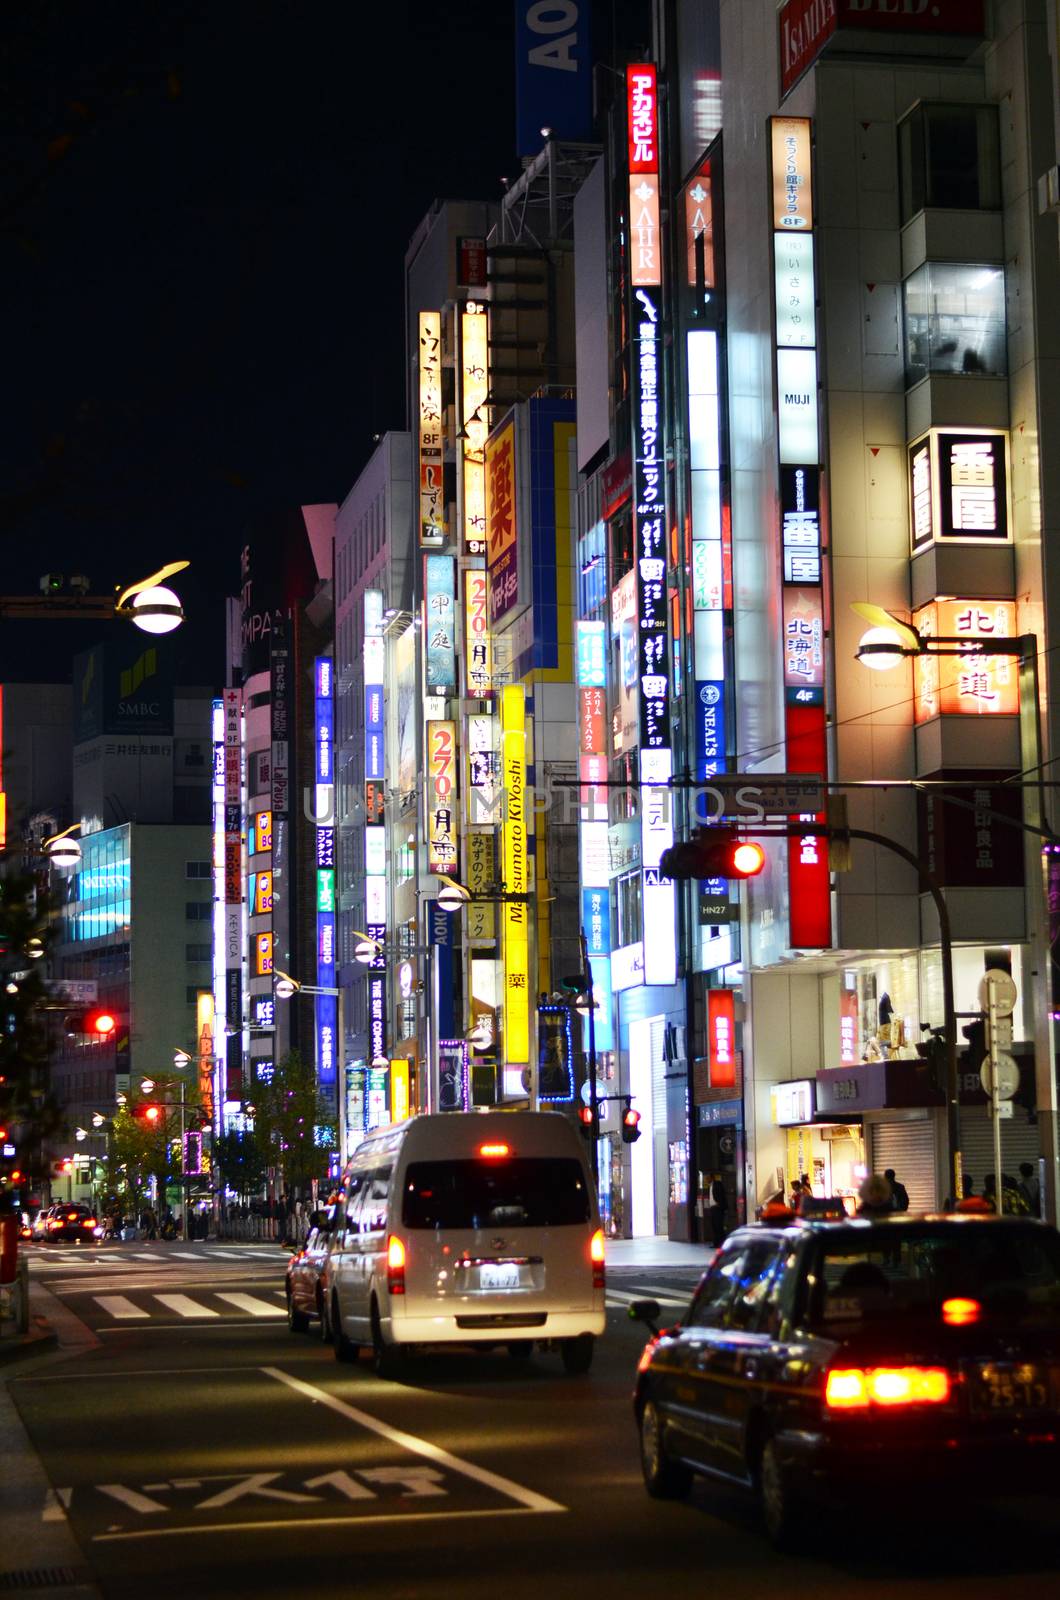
{"x": 478, "y": 656}
{"x": 792, "y": 185}
{"x": 649, "y": 473}
{"x": 803, "y": 639}
{"x": 432, "y": 493}
{"x": 204, "y": 1031}
{"x": 591, "y": 640}
{"x": 325, "y": 1006}
{"x": 803, "y": 617}
{"x": 659, "y": 895}
{"x": 699, "y": 224}
{"x": 327, "y": 1039}
{"x": 442, "y": 820}
{"x": 793, "y": 279}
{"x": 645, "y": 267}
{"x": 474, "y": 369}
{"x": 454, "y": 1086}
{"x": 262, "y": 893}
{"x": 516, "y": 877}
{"x": 263, "y": 951}
{"x": 800, "y": 524}
{"x": 400, "y": 1089}
{"x": 263, "y": 829}
{"x": 375, "y": 851}
{"x": 376, "y": 1017}
{"x": 642, "y": 118}
{"x": 263, "y": 1011}
{"x": 502, "y": 523}
{"x": 977, "y": 684}
{"x": 439, "y": 621}
{"x": 721, "y": 1038}
{"x": 958, "y": 487}
{"x": 797, "y": 405}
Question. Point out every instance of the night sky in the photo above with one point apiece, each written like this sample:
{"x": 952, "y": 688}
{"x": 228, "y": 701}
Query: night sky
{"x": 205, "y": 208}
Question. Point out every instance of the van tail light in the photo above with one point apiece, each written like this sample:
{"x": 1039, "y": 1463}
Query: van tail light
{"x": 958, "y": 1313}
{"x": 596, "y": 1256}
{"x": 857, "y": 1388}
{"x": 395, "y": 1265}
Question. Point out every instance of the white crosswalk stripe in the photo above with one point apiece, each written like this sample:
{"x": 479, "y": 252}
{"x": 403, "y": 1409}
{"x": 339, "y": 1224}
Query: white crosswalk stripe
{"x": 148, "y": 1255}
{"x": 185, "y": 1306}
{"x": 251, "y": 1305}
{"x": 184, "y": 1255}
{"x": 116, "y": 1305}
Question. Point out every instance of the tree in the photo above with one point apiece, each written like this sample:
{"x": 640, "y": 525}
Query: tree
{"x": 28, "y": 1109}
{"x": 287, "y": 1113}
{"x": 241, "y": 1161}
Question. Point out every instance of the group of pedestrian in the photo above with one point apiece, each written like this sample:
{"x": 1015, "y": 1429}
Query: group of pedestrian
{"x": 882, "y": 1196}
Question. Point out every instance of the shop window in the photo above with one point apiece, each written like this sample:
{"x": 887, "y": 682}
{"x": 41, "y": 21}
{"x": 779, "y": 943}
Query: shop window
{"x": 948, "y": 158}
{"x": 954, "y": 320}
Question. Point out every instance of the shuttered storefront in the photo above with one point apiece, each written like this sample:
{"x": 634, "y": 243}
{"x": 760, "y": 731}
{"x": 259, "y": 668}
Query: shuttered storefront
{"x": 908, "y": 1147}
{"x": 1019, "y": 1142}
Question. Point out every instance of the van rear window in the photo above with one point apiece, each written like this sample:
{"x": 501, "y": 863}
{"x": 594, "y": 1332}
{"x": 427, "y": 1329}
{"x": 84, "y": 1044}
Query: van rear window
{"x": 522, "y": 1192}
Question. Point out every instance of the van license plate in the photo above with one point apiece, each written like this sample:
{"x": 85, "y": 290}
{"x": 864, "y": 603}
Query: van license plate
{"x": 502, "y": 1275}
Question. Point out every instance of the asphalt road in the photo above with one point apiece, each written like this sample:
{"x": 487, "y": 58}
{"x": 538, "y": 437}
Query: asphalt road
{"x": 196, "y": 1448}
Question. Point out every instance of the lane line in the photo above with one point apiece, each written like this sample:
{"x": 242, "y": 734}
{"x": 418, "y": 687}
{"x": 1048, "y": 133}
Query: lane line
{"x": 422, "y": 1447}
{"x": 347, "y": 1521}
{"x": 116, "y": 1305}
{"x": 184, "y": 1306}
{"x": 251, "y": 1304}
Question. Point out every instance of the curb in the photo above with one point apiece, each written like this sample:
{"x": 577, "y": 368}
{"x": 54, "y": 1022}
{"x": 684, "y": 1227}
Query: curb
{"x": 36, "y": 1342}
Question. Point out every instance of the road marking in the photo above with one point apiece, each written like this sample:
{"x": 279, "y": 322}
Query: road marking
{"x": 116, "y": 1305}
{"x": 528, "y": 1498}
{"x": 223, "y": 1325}
{"x": 56, "y": 1504}
{"x": 185, "y": 1306}
{"x": 251, "y": 1304}
{"x": 147, "y": 1255}
{"x": 319, "y": 1522}
{"x": 185, "y": 1255}
{"x": 616, "y": 1298}
{"x": 131, "y": 1498}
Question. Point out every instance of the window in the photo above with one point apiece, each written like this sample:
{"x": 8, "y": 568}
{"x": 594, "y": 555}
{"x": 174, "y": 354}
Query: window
{"x": 520, "y": 1192}
{"x": 191, "y": 993}
{"x": 710, "y": 1305}
{"x": 948, "y": 156}
{"x": 954, "y": 320}
{"x": 752, "y": 1289}
{"x": 198, "y": 952}
{"x": 628, "y": 919}
{"x": 198, "y": 910}
{"x": 198, "y": 869}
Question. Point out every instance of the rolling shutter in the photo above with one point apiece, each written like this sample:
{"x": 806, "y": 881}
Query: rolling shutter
{"x": 1019, "y": 1142}
{"x": 908, "y": 1147}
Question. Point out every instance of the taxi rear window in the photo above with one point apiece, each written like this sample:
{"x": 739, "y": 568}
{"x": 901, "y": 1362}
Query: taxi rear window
{"x": 908, "y": 1272}
{"x": 521, "y": 1192}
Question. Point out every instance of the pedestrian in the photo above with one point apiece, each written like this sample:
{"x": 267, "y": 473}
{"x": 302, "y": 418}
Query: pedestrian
{"x": 876, "y": 1196}
{"x": 1030, "y": 1188}
{"x": 898, "y": 1190}
{"x": 717, "y": 1204}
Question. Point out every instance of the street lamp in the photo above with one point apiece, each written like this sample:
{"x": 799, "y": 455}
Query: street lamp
{"x": 368, "y": 950}
{"x": 149, "y": 604}
{"x": 61, "y": 849}
{"x": 285, "y": 988}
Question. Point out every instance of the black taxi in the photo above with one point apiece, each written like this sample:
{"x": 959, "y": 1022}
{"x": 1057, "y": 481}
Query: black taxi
{"x": 824, "y": 1359}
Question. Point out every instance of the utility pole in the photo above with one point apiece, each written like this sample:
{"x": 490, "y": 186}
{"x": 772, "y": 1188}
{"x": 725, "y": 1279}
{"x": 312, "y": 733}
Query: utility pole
{"x": 594, "y": 1104}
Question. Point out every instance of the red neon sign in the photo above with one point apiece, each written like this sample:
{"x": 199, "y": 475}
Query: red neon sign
{"x": 721, "y": 1039}
{"x": 642, "y": 112}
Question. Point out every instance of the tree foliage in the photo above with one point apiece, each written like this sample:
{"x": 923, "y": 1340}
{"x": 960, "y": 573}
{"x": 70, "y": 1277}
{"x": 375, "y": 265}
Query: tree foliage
{"x": 287, "y": 1112}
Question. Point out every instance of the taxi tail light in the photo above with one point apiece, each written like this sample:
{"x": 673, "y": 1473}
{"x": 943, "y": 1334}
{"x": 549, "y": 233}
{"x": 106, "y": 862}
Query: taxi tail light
{"x": 596, "y": 1256}
{"x": 395, "y": 1265}
{"x": 858, "y": 1388}
{"x": 90, "y": 1222}
{"x": 53, "y": 1222}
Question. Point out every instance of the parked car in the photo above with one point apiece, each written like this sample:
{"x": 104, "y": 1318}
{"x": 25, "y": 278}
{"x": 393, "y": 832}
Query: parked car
{"x": 306, "y": 1278}
{"x": 467, "y": 1228}
{"x": 824, "y": 1360}
{"x": 63, "y": 1223}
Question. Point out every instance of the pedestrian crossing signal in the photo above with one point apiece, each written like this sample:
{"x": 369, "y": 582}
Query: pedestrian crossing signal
{"x": 630, "y": 1125}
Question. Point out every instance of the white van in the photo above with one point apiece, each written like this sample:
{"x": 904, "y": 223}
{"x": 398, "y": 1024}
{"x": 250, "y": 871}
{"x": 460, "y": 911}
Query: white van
{"x": 468, "y": 1228}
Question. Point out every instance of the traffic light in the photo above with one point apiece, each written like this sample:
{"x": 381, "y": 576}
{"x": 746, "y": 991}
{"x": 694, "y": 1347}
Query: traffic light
{"x": 630, "y": 1126}
{"x": 149, "y": 1114}
{"x": 975, "y": 1033}
{"x": 587, "y": 1121}
{"x": 713, "y": 853}
{"x": 100, "y": 1023}
{"x": 933, "y": 1051}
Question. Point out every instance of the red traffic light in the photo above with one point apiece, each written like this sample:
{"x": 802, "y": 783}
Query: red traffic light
{"x": 713, "y": 853}
{"x": 630, "y": 1125}
{"x": 150, "y": 1113}
{"x": 102, "y": 1023}
{"x": 585, "y": 1116}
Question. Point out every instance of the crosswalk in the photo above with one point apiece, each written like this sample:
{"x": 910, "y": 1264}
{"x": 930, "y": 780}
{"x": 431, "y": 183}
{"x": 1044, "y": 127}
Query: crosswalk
{"x": 201, "y": 1306}
{"x": 60, "y": 1260}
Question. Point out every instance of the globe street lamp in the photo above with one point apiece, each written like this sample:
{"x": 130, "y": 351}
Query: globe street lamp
{"x": 149, "y": 604}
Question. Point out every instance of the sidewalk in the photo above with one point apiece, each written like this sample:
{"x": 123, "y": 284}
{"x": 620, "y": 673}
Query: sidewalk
{"x": 658, "y": 1251}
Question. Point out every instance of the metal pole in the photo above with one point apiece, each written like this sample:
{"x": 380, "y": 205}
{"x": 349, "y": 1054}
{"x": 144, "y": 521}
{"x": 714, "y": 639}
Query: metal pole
{"x": 183, "y": 1164}
{"x": 594, "y": 1106}
{"x": 995, "y": 1099}
{"x": 342, "y": 1072}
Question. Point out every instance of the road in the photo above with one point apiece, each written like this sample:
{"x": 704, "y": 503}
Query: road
{"x": 196, "y": 1448}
